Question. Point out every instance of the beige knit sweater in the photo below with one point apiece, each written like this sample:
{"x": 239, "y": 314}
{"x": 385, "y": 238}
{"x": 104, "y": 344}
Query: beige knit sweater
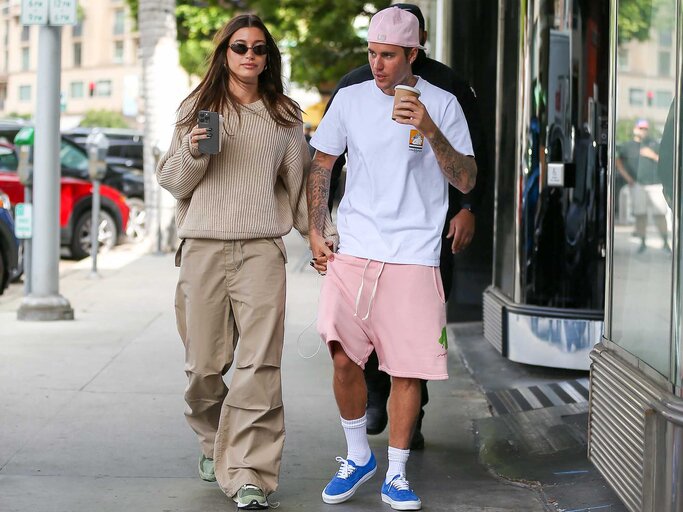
{"x": 255, "y": 186}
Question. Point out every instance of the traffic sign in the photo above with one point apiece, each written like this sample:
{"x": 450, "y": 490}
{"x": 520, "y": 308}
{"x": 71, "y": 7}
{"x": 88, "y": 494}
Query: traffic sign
{"x": 23, "y": 220}
{"x": 63, "y": 12}
{"x": 34, "y": 12}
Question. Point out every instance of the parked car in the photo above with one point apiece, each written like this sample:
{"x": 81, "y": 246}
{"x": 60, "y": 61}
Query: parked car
{"x": 124, "y": 170}
{"x": 75, "y": 207}
{"x": 74, "y": 160}
{"x": 10, "y": 261}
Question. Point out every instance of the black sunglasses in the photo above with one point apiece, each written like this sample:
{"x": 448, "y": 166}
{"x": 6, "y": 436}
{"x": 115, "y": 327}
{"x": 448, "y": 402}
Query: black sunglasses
{"x": 242, "y": 49}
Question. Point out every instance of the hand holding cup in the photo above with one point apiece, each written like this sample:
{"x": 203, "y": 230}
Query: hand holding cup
{"x": 401, "y": 91}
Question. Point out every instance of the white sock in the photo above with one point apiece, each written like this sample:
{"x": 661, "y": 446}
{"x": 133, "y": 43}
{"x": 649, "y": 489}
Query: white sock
{"x": 357, "y": 440}
{"x": 397, "y": 463}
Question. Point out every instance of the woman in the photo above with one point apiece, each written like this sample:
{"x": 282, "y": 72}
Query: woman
{"x": 233, "y": 209}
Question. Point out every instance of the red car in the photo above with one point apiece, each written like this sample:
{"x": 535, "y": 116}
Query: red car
{"x": 75, "y": 206}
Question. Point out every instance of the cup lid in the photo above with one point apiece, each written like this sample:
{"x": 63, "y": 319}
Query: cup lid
{"x": 408, "y": 88}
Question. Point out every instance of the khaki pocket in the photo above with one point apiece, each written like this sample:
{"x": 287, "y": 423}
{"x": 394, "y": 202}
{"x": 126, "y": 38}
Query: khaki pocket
{"x": 281, "y": 245}
{"x": 179, "y": 254}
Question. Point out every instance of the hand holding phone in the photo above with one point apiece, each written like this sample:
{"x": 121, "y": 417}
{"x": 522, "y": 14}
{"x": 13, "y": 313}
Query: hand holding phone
{"x": 209, "y": 121}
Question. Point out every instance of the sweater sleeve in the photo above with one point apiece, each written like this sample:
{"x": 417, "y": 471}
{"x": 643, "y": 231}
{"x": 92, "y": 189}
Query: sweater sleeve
{"x": 181, "y": 168}
{"x": 296, "y": 166}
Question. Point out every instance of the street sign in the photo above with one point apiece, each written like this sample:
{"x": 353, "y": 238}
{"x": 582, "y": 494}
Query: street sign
{"x": 23, "y": 220}
{"x": 63, "y": 12}
{"x": 34, "y": 12}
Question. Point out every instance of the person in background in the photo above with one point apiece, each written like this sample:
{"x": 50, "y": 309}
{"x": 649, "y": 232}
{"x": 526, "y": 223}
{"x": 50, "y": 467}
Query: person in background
{"x": 233, "y": 209}
{"x": 637, "y": 163}
{"x": 459, "y": 228}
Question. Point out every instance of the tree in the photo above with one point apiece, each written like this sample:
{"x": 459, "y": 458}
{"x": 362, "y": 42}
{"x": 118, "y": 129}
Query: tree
{"x": 638, "y": 17}
{"x": 322, "y": 36}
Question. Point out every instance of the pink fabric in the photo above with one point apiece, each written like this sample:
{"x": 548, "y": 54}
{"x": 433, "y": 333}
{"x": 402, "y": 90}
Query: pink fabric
{"x": 395, "y": 26}
{"x": 405, "y": 318}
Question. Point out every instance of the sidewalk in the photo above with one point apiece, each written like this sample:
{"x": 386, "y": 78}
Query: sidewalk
{"x": 92, "y": 410}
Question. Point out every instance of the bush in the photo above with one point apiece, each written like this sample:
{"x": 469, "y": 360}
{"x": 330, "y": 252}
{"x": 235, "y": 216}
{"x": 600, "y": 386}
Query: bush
{"x": 104, "y": 119}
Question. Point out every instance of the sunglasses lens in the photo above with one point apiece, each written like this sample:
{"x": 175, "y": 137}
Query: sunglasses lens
{"x": 260, "y": 49}
{"x": 239, "y": 48}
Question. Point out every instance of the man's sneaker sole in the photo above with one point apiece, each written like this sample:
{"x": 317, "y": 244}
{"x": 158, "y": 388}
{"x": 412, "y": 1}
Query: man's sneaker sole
{"x": 341, "y": 498}
{"x": 402, "y": 505}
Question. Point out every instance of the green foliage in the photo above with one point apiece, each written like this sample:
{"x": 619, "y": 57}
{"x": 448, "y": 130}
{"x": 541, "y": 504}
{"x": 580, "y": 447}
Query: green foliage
{"x": 15, "y": 115}
{"x": 638, "y": 17}
{"x": 104, "y": 119}
{"x": 196, "y": 28}
{"x": 319, "y": 34}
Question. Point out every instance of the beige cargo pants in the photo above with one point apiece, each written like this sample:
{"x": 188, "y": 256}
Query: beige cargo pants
{"x": 230, "y": 305}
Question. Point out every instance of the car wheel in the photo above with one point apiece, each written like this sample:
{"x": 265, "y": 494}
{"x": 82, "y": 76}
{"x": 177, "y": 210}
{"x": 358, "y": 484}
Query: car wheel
{"x": 3, "y": 270}
{"x": 107, "y": 234}
{"x": 136, "y": 220}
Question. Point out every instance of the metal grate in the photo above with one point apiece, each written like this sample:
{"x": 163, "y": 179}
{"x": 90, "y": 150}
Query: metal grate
{"x": 511, "y": 401}
{"x": 493, "y": 320}
{"x": 618, "y": 405}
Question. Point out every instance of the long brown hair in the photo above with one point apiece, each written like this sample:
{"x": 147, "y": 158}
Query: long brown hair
{"x": 213, "y": 92}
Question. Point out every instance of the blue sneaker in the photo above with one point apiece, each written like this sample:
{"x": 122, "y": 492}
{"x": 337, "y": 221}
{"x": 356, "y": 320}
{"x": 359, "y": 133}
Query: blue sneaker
{"x": 398, "y": 494}
{"x": 348, "y": 479}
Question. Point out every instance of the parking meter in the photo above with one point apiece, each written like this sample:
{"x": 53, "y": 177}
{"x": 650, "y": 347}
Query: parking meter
{"x": 23, "y": 141}
{"x": 97, "y": 144}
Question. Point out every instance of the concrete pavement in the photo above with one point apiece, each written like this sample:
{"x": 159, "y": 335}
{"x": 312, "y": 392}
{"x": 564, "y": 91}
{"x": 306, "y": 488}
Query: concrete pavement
{"x": 92, "y": 410}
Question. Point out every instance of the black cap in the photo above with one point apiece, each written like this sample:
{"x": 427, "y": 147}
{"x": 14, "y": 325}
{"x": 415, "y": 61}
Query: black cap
{"x": 414, "y": 9}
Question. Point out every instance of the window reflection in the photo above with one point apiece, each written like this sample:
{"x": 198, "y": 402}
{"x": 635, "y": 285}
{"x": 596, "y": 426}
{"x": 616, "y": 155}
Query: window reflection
{"x": 643, "y": 179}
{"x": 563, "y": 182}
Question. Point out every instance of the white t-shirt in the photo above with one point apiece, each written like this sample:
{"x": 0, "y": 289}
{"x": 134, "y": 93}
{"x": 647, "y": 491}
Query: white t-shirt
{"x": 396, "y": 198}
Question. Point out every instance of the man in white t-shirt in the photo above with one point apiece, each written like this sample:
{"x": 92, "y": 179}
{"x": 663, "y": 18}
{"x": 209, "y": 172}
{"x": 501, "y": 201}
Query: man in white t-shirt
{"x": 383, "y": 289}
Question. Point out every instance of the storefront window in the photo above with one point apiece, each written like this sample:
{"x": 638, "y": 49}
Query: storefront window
{"x": 643, "y": 184}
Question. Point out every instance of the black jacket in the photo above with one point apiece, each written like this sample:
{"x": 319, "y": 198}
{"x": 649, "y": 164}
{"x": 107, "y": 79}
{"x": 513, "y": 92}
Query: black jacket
{"x": 444, "y": 78}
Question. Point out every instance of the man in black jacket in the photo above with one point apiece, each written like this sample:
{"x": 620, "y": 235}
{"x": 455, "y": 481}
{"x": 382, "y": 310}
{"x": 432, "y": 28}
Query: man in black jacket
{"x": 457, "y": 232}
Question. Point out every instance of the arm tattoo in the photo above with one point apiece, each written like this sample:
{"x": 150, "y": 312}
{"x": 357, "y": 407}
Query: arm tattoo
{"x": 317, "y": 192}
{"x": 459, "y": 170}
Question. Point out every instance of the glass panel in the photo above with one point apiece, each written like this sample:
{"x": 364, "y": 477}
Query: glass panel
{"x": 77, "y": 55}
{"x": 25, "y": 59}
{"x": 103, "y": 88}
{"x": 76, "y": 90}
{"x": 563, "y": 171}
{"x": 643, "y": 183}
{"x": 24, "y": 93}
{"x": 504, "y": 255}
{"x": 119, "y": 21}
{"x": 73, "y": 158}
{"x": 118, "y": 52}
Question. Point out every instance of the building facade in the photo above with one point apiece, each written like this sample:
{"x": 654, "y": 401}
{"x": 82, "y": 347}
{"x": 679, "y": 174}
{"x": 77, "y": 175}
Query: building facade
{"x": 101, "y": 69}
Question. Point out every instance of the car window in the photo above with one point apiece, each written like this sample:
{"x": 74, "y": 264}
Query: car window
{"x": 116, "y": 151}
{"x": 8, "y": 159}
{"x": 72, "y": 157}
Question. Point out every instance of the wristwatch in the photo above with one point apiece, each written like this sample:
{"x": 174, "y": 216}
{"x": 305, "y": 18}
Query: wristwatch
{"x": 468, "y": 207}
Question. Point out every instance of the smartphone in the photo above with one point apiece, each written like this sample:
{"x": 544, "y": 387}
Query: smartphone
{"x": 206, "y": 119}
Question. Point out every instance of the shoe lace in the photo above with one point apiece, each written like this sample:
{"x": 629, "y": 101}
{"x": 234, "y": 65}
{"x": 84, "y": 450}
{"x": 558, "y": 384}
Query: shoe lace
{"x": 400, "y": 483}
{"x": 346, "y": 469}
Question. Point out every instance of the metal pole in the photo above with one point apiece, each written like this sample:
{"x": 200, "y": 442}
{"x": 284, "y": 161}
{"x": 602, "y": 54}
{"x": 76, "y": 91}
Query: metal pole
{"x": 28, "y": 193}
{"x": 95, "y": 227}
{"x": 45, "y": 302}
